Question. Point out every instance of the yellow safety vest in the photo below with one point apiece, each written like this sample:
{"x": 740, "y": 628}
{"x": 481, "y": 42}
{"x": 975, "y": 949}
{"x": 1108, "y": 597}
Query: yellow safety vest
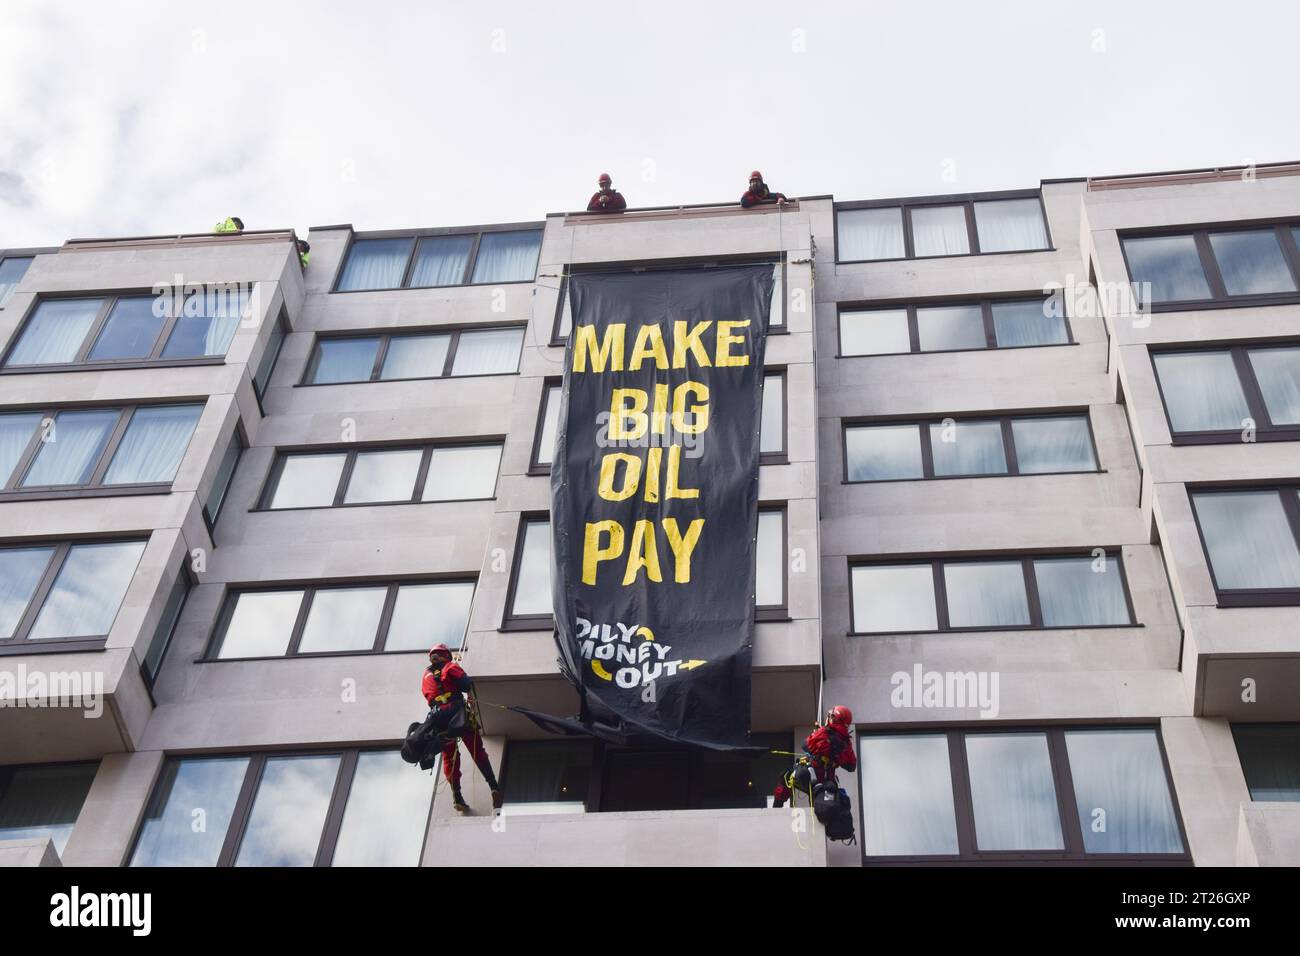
{"x": 227, "y": 226}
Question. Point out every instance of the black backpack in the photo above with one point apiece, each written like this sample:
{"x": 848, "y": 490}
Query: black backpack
{"x": 424, "y": 740}
{"x": 834, "y": 812}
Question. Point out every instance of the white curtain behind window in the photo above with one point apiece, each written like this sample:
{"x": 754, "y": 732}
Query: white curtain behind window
{"x": 55, "y": 332}
{"x": 1121, "y": 773}
{"x": 1008, "y": 225}
{"x": 488, "y": 352}
{"x": 440, "y": 261}
{"x": 70, "y": 448}
{"x": 507, "y": 256}
{"x": 154, "y": 443}
{"x": 870, "y": 234}
{"x": 15, "y": 432}
{"x": 375, "y": 264}
{"x": 1249, "y": 539}
{"x": 939, "y": 231}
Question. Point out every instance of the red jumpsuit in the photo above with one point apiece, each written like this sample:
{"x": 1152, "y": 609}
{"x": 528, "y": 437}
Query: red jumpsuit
{"x": 614, "y": 202}
{"x": 440, "y": 689}
{"x": 751, "y": 198}
{"x": 828, "y": 747}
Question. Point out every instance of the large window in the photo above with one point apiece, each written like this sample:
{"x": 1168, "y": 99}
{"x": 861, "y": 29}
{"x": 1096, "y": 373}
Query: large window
{"x": 1011, "y": 593}
{"x": 1250, "y": 537}
{"x": 1096, "y": 794}
{"x": 1270, "y": 760}
{"x": 137, "y": 446}
{"x": 770, "y": 579}
{"x": 415, "y": 262}
{"x": 129, "y": 329}
{"x": 382, "y": 475}
{"x": 12, "y": 270}
{"x": 343, "y": 619}
{"x": 1214, "y": 266}
{"x": 547, "y": 776}
{"x": 347, "y": 808}
{"x": 952, "y": 326}
{"x": 1009, "y": 445}
{"x": 166, "y": 627}
{"x": 528, "y": 603}
{"x": 385, "y": 357}
{"x": 42, "y": 802}
{"x": 52, "y": 593}
{"x": 225, "y": 475}
{"x": 548, "y": 427}
{"x": 1239, "y": 393}
{"x": 956, "y": 226}
{"x": 772, "y": 427}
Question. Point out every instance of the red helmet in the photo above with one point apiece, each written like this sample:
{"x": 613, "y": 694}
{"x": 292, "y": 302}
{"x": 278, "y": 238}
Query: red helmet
{"x": 440, "y": 649}
{"x": 756, "y": 175}
{"x": 841, "y": 715}
{"x": 604, "y": 178}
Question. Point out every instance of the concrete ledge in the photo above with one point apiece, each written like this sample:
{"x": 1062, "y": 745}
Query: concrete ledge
{"x": 29, "y": 853}
{"x": 1268, "y": 834}
{"x": 648, "y": 838}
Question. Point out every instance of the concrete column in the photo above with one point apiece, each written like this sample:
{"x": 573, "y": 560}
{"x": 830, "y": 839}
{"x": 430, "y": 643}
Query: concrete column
{"x": 1209, "y": 785}
{"x": 113, "y": 809}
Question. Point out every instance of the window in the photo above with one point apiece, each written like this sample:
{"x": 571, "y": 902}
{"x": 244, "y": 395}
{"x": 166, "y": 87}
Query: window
{"x": 548, "y": 427}
{"x": 162, "y": 635}
{"x": 375, "y": 358}
{"x": 384, "y": 475}
{"x": 43, "y": 802}
{"x": 343, "y": 619}
{"x": 1231, "y": 394}
{"x": 262, "y": 377}
{"x": 772, "y": 430}
{"x": 547, "y": 776}
{"x": 12, "y": 270}
{"x": 63, "y": 592}
{"x": 528, "y": 603}
{"x": 1270, "y": 760}
{"x": 1250, "y": 538}
{"x": 1019, "y": 795}
{"x": 348, "y": 808}
{"x": 959, "y": 226}
{"x": 651, "y": 778}
{"x": 410, "y": 262}
{"x": 1010, "y": 445}
{"x": 769, "y": 564}
{"x": 1209, "y": 267}
{"x": 139, "y": 446}
{"x": 959, "y": 594}
{"x": 130, "y": 329}
{"x": 952, "y": 326}
{"x": 221, "y": 482}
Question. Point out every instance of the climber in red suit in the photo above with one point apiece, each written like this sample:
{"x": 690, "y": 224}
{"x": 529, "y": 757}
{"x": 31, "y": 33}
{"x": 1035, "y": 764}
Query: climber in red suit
{"x": 827, "y": 748}
{"x": 444, "y": 686}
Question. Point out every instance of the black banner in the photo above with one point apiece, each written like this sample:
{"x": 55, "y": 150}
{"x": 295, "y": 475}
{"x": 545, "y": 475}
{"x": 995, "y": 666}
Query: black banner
{"x": 654, "y": 490}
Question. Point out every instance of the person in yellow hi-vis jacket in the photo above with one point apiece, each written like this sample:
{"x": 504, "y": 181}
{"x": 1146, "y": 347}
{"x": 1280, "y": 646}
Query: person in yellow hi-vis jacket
{"x": 231, "y": 224}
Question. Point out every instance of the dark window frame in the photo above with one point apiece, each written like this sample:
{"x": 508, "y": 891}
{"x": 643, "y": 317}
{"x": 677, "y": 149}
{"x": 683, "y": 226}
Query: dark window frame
{"x": 384, "y": 339}
{"x": 1219, "y": 297}
{"x": 20, "y": 642}
{"x": 12, "y": 490}
{"x": 186, "y": 578}
{"x": 966, "y": 200}
{"x": 524, "y": 622}
{"x": 351, "y": 451}
{"x": 1067, "y": 806}
{"x": 82, "y": 362}
{"x": 236, "y": 829}
{"x": 239, "y": 439}
{"x": 270, "y": 356}
{"x": 1033, "y": 599}
{"x": 1004, "y": 419}
{"x": 781, "y": 611}
{"x": 910, "y": 306}
{"x": 535, "y": 465}
{"x": 782, "y": 456}
{"x": 309, "y": 590}
{"x": 1289, "y": 495}
{"x": 475, "y": 233}
{"x": 1239, "y": 353}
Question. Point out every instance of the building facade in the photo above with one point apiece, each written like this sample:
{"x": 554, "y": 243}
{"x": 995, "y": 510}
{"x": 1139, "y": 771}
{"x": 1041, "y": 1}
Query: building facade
{"x": 1029, "y": 505}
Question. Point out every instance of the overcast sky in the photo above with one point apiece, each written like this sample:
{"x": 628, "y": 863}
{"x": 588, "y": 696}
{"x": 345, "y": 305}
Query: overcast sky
{"x": 146, "y": 118}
